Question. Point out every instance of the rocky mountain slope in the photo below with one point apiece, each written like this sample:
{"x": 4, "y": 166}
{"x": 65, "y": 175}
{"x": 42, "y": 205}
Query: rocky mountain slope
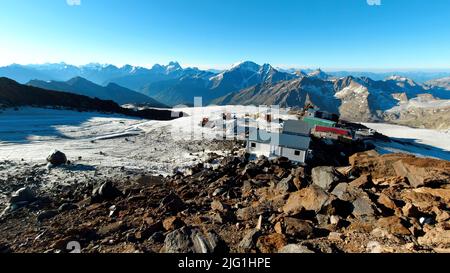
{"x": 377, "y": 204}
{"x": 112, "y": 91}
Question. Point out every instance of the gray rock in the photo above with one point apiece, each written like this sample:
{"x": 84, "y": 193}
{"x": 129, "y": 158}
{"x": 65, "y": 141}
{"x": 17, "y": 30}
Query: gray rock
{"x": 192, "y": 240}
{"x": 286, "y": 185}
{"x": 22, "y": 195}
{"x": 157, "y": 237}
{"x": 45, "y": 215}
{"x": 324, "y": 177}
{"x": 362, "y": 207}
{"x": 172, "y": 202}
{"x": 249, "y": 241}
{"x": 57, "y": 158}
{"x": 293, "y": 248}
{"x": 106, "y": 191}
{"x": 219, "y": 191}
{"x": 67, "y": 207}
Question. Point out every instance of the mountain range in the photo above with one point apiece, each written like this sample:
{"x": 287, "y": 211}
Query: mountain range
{"x": 354, "y": 98}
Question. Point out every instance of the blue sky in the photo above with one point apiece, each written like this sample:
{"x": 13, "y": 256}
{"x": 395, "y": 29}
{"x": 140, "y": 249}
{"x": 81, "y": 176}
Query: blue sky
{"x": 331, "y": 34}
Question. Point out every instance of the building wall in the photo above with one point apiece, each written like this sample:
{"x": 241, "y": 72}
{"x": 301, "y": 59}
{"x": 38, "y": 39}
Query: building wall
{"x": 260, "y": 149}
{"x": 269, "y": 150}
{"x": 290, "y": 153}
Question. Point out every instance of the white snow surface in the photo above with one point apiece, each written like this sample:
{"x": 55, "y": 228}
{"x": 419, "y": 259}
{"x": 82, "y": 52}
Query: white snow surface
{"x": 30, "y": 134}
{"x": 420, "y": 103}
{"x": 116, "y": 141}
{"x": 420, "y": 142}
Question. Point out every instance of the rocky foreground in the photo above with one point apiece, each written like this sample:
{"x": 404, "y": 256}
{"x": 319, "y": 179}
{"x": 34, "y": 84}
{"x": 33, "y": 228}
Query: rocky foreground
{"x": 379, "y": 203}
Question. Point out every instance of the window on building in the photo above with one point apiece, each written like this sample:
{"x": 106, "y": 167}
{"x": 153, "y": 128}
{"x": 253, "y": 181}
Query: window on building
{"x": 253, "y": 145}
{"x": 297, "y": 153}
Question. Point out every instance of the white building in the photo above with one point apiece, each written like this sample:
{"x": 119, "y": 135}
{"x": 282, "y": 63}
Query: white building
{"x": 293, "y": 143}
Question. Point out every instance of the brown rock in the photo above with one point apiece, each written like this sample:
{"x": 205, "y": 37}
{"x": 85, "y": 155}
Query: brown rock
{"x": 172, "y": 223}
{"x": 311, "y": 198}
{"x": 360, "y": 226}
{"x": 216, "y": 205}
{"x": 271, "y": 243}
{"x": 297, "y": 183}
{"x": 335, "y": 236}
{"x": 279, "y": 228}
{"x": 386, "y": 201}
{"x": 394, "y": 225}
{"x": 423, "y": 171}
{"x": 391, "y": 181}
{"x": 111, "y": 228}
{"x": 418, "y": 171}
{"x": 437, "y": 236}
{"x": 298, "y": 228}
{"x": 362, "y": 181}
{"x": 409, "y": 210}
{"x": 423, "y": 201}
{"x": 441, "y": 215}
{"x": 443, "y": 194}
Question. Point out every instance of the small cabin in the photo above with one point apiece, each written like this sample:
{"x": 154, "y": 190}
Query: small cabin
{"x": 293, "y": 142}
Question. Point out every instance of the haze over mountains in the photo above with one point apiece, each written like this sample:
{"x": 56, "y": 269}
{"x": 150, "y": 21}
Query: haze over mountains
{"x": 354, "y": 98}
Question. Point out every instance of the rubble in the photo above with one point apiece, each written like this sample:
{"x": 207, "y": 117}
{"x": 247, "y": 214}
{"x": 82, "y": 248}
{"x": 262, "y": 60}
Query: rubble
{"x": 237, "y": 205}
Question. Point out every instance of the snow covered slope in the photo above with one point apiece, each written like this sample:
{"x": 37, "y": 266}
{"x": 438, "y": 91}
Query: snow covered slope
{"x": 421, "y": 142}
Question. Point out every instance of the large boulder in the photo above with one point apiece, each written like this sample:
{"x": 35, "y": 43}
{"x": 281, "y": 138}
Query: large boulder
{"x": 423, "y": 171}
{"x": 298, "y": 228}
{"x": 107, "y": 191}
{"x": 193, "y": 240}
{"x": 57, "y": 158}
{"x": 363, "y": 207}
{"x": 436, "y": 237}
{"x": 293, "y": 248}
{"x": 418, "y": 171}
{"x": 271, "y": 243}
{"x": 325, "y": 177}
{"x": 312, "y": 198}
{"x": 249, "y": 241}
{"x": 393, "y": 225}
{"x": 24, "y": 194}
{"x": 172, "y": 203}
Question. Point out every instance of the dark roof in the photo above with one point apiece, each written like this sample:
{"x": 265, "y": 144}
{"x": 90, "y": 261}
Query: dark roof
{"x": 284, "y": 140}
{"x": 295, "y": 141}
{"x": 297, "y": 127}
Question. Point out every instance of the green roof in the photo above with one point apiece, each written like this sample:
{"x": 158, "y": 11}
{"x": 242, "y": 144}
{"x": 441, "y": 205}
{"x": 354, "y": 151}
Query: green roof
{"x": 319, "y": 121}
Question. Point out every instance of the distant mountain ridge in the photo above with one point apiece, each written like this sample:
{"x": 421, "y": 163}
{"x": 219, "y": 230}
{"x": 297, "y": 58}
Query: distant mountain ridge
{"x": 210, "y": 86}
{"x": 245, "y": 82}
{"x": 354, "y": 99}
{"x": 14, "y": 94}
{"x": 112, "y": 91}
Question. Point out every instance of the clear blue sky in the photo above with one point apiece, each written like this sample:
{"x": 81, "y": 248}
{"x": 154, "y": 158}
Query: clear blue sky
{"x": 330, "y": 34}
